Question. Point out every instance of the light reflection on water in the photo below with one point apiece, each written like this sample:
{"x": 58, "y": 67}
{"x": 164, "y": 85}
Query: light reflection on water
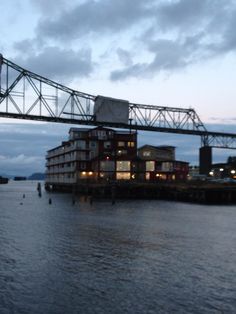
{"x": 132, "y": 257}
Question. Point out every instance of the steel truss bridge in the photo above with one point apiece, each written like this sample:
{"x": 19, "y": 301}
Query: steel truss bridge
{"x": 29, "y": 96}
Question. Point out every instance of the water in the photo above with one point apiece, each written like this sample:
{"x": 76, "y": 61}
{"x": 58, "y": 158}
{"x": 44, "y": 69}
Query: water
{"x": 132, "y": 257}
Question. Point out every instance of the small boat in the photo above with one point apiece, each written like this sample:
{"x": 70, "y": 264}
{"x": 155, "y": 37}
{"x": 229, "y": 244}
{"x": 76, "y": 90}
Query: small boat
{"x": 3, "y": 180}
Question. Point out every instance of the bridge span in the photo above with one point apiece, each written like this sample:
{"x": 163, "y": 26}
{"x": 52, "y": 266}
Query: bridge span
{"x": 29, "y": 96}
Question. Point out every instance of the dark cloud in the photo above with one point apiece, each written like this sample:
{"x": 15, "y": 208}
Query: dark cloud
{"x": 54, "y": 62}
{"x": 168, "y": 55}
{"x": 185, "y": 15}
{"x": 185, "y": 32}
{"x": 95, "y": 17}
{"x": 124, "y": 56}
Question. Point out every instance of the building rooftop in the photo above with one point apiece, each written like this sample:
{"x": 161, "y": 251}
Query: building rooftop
{"x": 101, "y": 127}
{"x": 158, "y": 147}
{"x": 79, "y": 129}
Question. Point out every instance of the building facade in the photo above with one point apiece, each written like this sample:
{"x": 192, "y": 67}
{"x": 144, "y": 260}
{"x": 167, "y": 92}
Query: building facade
{"x": 92, "y": 154}
{"x": 224, "y": 170}
{"x": 160, "y": 163}
{"x": 104, "y": 154}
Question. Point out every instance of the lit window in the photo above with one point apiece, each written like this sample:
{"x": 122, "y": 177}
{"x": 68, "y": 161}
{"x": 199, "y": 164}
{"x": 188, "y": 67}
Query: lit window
{"x": 147, "y": 153}
{"x": 150, "y": 165}
{"x": 121, "y": 144}
{"x": 123, "y": 175}
{"x": 131, "y": 144}
{"x": 167, "y": 166}
{"x": 123, "y": 166}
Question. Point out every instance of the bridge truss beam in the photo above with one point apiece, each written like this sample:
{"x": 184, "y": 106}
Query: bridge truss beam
{"x": 26, "y": 95}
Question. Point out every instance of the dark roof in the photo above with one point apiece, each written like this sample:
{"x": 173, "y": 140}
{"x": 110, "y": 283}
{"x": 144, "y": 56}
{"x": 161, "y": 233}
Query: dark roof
{"x": 158, "y": 147}
{"x": 100, "y": 127}
{"x": 79, "y": 129}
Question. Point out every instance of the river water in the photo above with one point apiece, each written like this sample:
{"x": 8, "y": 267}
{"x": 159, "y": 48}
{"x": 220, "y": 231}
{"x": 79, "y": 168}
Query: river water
{"x": 132, "y": 257}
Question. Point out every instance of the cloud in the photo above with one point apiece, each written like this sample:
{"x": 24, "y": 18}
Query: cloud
{"x": 168, "y": 55}
{"x": 23, "y": 146}
{"x": 184, "y": 32}
{"x": 149, "y": 37}
{"x": 20, "y": 164}
{"x": 94, "y": 17}
{"x": 124, "y": 56}
{"x": 54, "y": 62}
{"x": 47, "y": 7}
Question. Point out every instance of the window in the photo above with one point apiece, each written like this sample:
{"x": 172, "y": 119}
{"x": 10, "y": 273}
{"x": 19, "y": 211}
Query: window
{"x": 146, "y": 153}
{"x": 123, "y": 175}
{"x": 167, "y": 166}
{"x": 93, "y": 144}
{"x": 107, "y": 144}
{"x": 94, "y": 133}
{"x": 107, "y": 165}
{"x": 123, "y": 166}
{"x": 81, "y": 144}
{"x": 110, "y": 133}
{"x": 83, "y": 165}
{"x": 121, "y": 144}
{"x": 81, "y": 156}
{"x": 101, "y": 135}
{"x": 150, "y": 165}
{"x": 131, "y": 144}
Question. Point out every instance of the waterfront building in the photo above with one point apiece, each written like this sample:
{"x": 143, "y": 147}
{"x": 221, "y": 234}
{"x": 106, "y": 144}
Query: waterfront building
{"x": 224, "y": 170}
{"x": 92, "y": 154}
{"x": 104, "y": 154}
{"x": 160, "y": 163}
{"x": 158, "y": 153}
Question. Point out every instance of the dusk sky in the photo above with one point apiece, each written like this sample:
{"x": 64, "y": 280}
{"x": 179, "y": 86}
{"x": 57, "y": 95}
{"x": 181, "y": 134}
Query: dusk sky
{"x": 179, "y": 53}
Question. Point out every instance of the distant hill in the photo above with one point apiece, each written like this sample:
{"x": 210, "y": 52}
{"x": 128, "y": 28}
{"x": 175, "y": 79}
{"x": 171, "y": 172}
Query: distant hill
{"x": 37, "y": 176}
{"x": 6, "y": 175}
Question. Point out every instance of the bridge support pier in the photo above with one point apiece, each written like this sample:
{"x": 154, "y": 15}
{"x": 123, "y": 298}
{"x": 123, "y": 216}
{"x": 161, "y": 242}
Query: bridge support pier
{"x": 205, "y": 160}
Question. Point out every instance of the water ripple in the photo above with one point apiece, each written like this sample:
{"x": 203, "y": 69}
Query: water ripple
{"x": 134, "y": 257}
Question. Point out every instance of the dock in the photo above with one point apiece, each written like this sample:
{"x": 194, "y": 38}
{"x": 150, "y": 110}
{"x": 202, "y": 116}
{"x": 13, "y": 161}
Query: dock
{"x": 195, "y": 192}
